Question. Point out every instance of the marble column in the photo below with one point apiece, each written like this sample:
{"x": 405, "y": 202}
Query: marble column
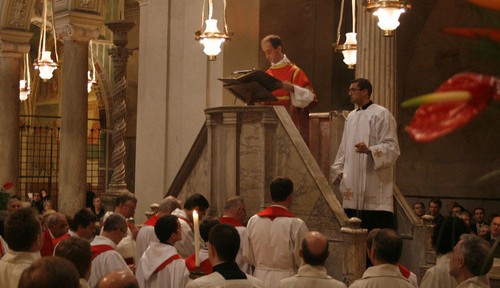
{"x": 376, "y": 59}
{"x": 10, "y": 63}
{"x": 74, "y": 114}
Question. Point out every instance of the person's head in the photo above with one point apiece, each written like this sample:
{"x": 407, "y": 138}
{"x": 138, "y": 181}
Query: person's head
{"x": 224, "y": 243}
{"x": 168, "y": 229}
{"x": 196, "y": 202}
{"x": 281, "y": 189}
{"x": 36, "y": 196}
{"x": 495, "y": 227}
{"x": 115, "y": 227}
{"x": 125, "y": 204}
{"x": 83, "y": 223}
{"x": 206, "y": 225}
{"x": 13, "y": 204}
{"x": 47, "y": 205}
{"x": 485, "y": 229}
{"x": 50, "y": 272}
{"x": 97, "y": 203}
{"x": 167, "y": 205}
{"x": 446, "y": 234}
{"x": 360, "y": 91}
{"x": 419, "y": 209}
{"x": 57, "y": 224}
{"x": 43, "y": 193}
{"x": 76, "y": 250}
{"x": 23, "y": 231}
{"x": 314, "y": 248}
{"x": 456, "y": 209}
{"x": 470, "y": 257}
{"x": 118, "y": 279}
{"x": 235, "y": 208}
{"x": 465, "y": 215}
{"x": 386, "y": 247}
{"x": 273, "y": 48}
{"x": 435, "y": 206}
{"x": 478, "y": 215}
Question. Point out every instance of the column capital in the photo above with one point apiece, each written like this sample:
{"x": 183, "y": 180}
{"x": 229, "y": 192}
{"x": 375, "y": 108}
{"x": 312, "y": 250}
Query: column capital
{"x": 142, "y": 2}
{"x": 14, "y": 43}
{"x": 74, "y": 32}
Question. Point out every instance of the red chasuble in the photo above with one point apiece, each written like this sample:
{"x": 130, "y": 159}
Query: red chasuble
{"x": 99, "y": 249}
{"x": 275, "y": 211}
{"x": 295, "y": 75}
{"x": 151, "y": 221}
{"x": 205, "y": 265}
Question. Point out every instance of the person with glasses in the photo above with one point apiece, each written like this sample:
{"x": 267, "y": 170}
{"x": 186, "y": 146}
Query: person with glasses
{"x": 365, "y": 159}
{"x": 105, "y": 257}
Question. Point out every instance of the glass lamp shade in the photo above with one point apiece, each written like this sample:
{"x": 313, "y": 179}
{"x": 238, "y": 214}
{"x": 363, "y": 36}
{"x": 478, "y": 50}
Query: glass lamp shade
{"x": 46, "y": 66}
{"x": 388, "y": 18}
{"x": 350, "y": 54}
{"x": 89, "y": 82}
{"x": 23, "y": 90}
{"x": 212, "y": 42}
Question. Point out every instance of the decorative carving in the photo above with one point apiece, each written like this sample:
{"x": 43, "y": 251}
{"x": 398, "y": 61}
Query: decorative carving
{"x": 17, "y": 13}
{"x": 76, "y": 33}
{"x": 16, "y": 49}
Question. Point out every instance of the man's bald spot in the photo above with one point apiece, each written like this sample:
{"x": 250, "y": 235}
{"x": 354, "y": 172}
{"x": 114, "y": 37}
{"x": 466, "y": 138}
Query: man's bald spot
{"x": 316, "y": 242}
{"x": 118, "y": 279}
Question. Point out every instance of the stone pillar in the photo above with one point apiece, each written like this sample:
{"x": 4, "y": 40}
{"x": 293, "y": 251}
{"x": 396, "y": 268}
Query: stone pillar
{"x": 229, "y": 178}
{"x": 354, "y": 248}
{"x": 213, "y": 163}
{"x": 268, "y": 157}
{"x": 120, "y": 55}
{"x": 74, "y": 113}
{"x": 11, "y": 55}
{"x": 376, "y": 59}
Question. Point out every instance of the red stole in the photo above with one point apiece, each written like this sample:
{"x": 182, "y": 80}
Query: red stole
{"x": 97, "y": 250}
{"x": 205, "y": 265}
{"x": 230, "y": 221}
{"x": 47, "y": 246}
{"x": 151, "y": 221}
{"x": 56, "y": 241}
{"x": 1, "y": 249}
{"x": 275, "y": 211}
{"x": 168, "y": 261}
{"x": 404, "y": 271}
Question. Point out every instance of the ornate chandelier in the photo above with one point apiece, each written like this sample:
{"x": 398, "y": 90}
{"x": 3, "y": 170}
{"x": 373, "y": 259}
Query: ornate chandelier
{"x": 349, "y": 48}
{"x": 211, "y": 38}
{"x": 388, "y": 12}
{"x": 44, "y": 62}
{"x": 24, "y": 83}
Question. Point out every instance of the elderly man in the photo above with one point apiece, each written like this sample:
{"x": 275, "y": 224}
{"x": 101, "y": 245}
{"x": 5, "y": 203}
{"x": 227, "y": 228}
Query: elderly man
{"x": 223, "y": 246}
{"x": 57, "y": 230}
{"x": 234, "y": 215}
{"x": 470, "y": 261}
{"x": 23, "y": 234}
{"x": 385, "y": 253}
{"x": 105, "y": 258}
{"x": 313, "y": 272}
{"x": 274, "y": 237}
{"x": 147, "y": 234}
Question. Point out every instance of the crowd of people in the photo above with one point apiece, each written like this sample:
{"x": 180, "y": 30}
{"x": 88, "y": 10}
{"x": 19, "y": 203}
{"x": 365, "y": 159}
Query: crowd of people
{"x": 274, "y": 249}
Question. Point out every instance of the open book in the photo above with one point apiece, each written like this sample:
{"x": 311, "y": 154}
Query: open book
{"x": 254, "y": 86}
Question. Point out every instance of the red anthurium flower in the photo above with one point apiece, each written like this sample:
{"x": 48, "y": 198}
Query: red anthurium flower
{"x": 434, "y": 120}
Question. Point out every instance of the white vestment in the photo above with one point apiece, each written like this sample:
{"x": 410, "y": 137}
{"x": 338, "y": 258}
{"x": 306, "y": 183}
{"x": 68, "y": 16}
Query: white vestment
{"x": 367, "y": 179}
{"x": 186, "y": 245}
{"x": 382, "y": 276}
{"x": 215, "y": 280}
{"x": 145, "y": 237}
{"x": 173, "y": 275}
{"x": 311, "y": 276}
{"x": 105, "y": 262}
{"x": 12, "y": 266}
{"x": 126, "y": 247}
{"x": 439, "y": 276}
{"x": 273, "y": 247}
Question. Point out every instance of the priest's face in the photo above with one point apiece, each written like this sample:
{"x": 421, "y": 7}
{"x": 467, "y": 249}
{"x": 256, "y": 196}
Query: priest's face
{"x": 273, "y": 55}
{"x": 357, "y": 96}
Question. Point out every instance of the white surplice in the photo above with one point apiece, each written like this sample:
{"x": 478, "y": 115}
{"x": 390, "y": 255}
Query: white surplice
{"x": 12, "y": 266}
{"x": 174, "y": 275}
{"x": 105, "y": 262}
{"x": 126, "y": 247}
{"x": 185, "y": 247}
{"x": 215, "y": 280}
{"x": 273, "y": 247}
{"x": 145, "y": 237}
{"x": 367, "y": 180}
{"x": 438, "y": 276}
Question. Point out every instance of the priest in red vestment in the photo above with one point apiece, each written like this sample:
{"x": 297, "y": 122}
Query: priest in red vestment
{"x": 296, "y": 93}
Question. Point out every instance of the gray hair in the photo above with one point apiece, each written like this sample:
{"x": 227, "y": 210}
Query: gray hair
{"x": 233, "y": 203}
{"x": 476, "y": 253}
{"x": 169, "y": 203}
{"x": 114, "y": 221}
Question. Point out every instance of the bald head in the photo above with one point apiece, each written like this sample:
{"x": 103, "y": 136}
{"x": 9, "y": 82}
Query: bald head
{"x": 235, "y": 208}
{"x": 168, "y": 204}
{"x": 118, "y": 279}
{"x": 314, "y": 248}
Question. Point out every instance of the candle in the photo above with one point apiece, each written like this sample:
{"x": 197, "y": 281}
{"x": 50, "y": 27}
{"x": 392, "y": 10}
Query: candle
{"x": 196, "y": 238}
